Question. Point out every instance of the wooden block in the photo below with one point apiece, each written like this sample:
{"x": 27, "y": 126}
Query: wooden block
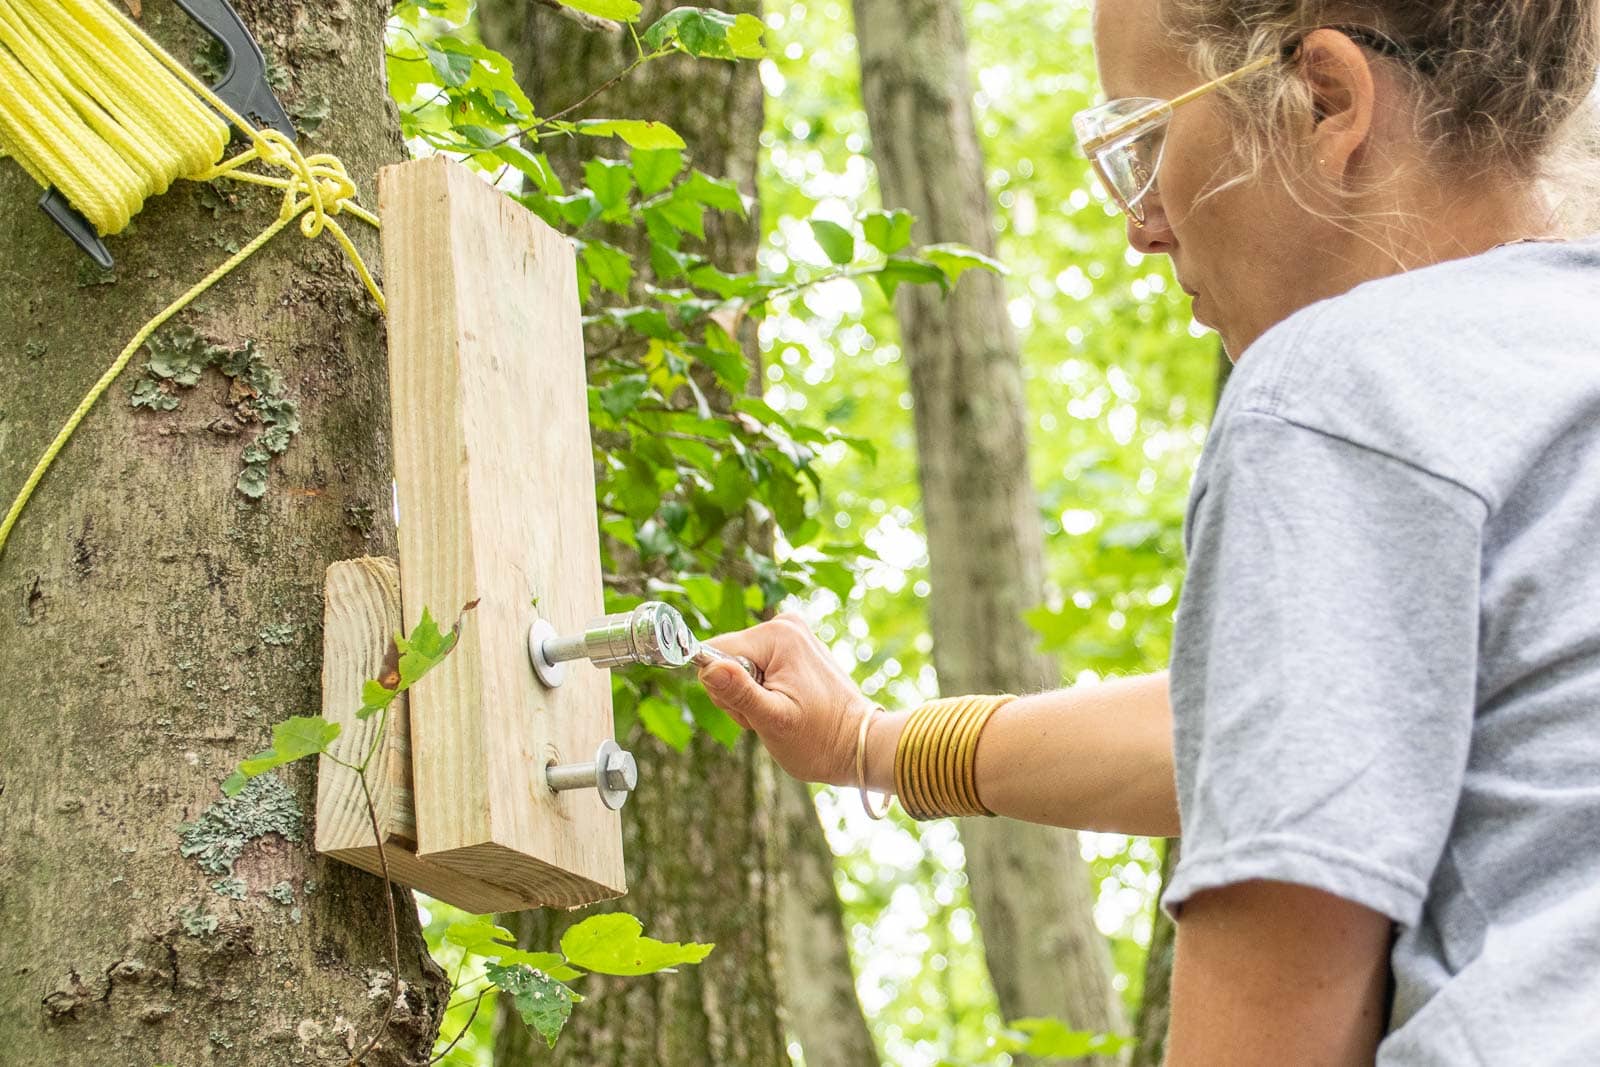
{"x": 496, "y": 491}
{"x": 361, "y": 614}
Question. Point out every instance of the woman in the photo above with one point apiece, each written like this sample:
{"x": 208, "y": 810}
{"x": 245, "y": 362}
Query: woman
{"x": 1381, "y": 733}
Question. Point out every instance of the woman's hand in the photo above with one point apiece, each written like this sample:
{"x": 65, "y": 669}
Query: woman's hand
{"x": 809, "y": 712}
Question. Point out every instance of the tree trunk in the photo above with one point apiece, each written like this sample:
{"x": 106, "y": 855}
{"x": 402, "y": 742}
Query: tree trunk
{"x": 157, "y": 622}
{"x": 702, "y": 832}
{"x": 1030, "y": 888}
{"x": 1155, "y": 1009}
{"x": 818, "y": 982}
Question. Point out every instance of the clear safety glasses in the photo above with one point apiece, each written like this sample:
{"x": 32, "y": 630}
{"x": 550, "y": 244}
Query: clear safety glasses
{"x": 1124, "y": 139}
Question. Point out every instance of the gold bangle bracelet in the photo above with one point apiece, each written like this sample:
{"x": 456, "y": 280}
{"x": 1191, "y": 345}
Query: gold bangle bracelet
{"x": 970, "y": 714}
{"x": 935, "y": 767}
{"x": 967, "y": 757}
{"x": 909, "y": 764}
{"x": 935, "y": 764}
{"x": 960, "y": 718}
{"x": 921, "y": 758}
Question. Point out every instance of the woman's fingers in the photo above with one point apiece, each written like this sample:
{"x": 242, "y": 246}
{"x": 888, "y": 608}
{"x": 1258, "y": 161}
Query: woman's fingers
{"x": 735, "y": 692}
{"x": 758, "y": 644}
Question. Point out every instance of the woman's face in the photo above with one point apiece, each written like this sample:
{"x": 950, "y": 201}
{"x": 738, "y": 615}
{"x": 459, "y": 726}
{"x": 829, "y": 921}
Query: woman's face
{"x": 1248, "y": 256}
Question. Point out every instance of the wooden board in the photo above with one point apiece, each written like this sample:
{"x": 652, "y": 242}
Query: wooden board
{"x": 496, "y": 495}
{"x": 361, "y": 614}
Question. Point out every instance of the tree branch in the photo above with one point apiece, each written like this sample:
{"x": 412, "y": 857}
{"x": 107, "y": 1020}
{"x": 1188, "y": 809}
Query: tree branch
{"x": 582, "y": 18}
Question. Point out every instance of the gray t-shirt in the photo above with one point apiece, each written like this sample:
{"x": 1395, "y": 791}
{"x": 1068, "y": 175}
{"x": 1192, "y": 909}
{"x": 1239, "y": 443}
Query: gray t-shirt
{"x": 1386, "y": 670}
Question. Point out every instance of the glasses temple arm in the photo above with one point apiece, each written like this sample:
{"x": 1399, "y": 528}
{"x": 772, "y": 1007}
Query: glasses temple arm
{"x": 1172, "y": 105}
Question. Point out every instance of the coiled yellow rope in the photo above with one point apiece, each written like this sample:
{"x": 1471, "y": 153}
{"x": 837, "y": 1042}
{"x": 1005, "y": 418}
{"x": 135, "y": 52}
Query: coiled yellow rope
{"x": 96, "y": 108}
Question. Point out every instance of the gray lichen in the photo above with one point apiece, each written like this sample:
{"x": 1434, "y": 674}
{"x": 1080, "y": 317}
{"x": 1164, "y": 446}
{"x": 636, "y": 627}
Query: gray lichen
{"x": 196, "y": 922}
{"x": 179, "y": 356}
{"x": 282, "y": 892}
{"x": 219, "y": 836}
{"x": 278, "y": 633}
{"x": 229, "y": 887}
{"x": 92, "y": 274}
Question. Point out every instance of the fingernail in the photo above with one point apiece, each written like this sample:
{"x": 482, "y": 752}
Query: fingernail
{"x": 719, "y": 680}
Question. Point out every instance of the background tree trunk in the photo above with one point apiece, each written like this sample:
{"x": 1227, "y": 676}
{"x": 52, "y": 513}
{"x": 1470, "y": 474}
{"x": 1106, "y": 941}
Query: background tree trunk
{"x": 1155, "y": 1009}
{"x": 818, "y": 982}
{"x": 156, "y": 622}
{"x": 703, "y": 831}
{"x": 1030, "y": 886}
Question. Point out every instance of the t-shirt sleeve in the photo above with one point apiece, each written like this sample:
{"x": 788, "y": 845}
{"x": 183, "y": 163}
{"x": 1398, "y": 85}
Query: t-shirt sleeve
{"x": 1324, "y": 667}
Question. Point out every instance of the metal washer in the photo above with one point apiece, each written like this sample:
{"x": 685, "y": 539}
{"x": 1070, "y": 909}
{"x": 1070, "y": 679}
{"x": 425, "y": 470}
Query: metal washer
{"x": 551, "y": 674}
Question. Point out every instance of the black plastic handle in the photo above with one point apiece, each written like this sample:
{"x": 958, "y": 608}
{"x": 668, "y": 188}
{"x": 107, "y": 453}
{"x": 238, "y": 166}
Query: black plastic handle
{"x": 244, "y": 88}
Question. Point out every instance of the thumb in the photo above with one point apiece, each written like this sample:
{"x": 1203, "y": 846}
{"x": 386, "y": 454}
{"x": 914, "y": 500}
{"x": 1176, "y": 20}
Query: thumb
{"x": 737, "y": 693}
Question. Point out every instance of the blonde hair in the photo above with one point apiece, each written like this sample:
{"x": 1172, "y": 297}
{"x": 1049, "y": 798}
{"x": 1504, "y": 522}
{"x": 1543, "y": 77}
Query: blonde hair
{"x": 1500, "y": 86}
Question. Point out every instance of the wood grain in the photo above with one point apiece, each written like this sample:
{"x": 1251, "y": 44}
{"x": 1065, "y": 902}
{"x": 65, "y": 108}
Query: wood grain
{"x": 497, "y": 504}
{"x": 361, "y": 613}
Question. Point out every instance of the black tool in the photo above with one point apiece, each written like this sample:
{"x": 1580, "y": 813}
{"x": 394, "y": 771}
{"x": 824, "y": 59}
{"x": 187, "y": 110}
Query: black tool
{"x": 243, "y": 87}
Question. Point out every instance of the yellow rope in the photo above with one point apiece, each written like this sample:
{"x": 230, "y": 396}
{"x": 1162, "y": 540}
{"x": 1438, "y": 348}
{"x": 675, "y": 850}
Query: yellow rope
{"x": 87, "y": 107}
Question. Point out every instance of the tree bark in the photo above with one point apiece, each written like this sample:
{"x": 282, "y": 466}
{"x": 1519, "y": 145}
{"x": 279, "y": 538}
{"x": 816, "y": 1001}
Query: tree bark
{"x": 157, "y": 622}
{"x": 1155, "y": 1008}
{"x": 818, "y": 981}
{"x": 703, "y": 834}
{"x": 1030, "y": 888}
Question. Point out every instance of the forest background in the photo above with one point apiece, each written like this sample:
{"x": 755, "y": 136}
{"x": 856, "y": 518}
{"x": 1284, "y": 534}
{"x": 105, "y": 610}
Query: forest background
{"x": 1120, "y": 383}
{"x": 756, "y": 448}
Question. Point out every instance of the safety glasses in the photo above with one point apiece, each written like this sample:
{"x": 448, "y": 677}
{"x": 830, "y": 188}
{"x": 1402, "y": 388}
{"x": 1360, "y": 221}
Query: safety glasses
{"x": 1124, "y": 138}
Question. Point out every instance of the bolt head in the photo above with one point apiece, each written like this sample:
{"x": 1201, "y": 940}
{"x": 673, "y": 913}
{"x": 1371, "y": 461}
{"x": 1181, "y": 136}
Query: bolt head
{"x": 622, "y": 772}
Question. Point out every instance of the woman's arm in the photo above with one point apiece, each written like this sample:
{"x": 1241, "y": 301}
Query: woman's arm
{"x": 1094, "y": 757}
{"x": 1269, "y": 973}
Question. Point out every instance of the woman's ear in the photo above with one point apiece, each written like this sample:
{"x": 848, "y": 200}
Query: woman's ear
{"x": 1343, "y": 97}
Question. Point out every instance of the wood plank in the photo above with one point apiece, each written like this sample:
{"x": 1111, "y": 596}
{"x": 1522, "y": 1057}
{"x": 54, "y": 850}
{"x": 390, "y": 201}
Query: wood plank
{"x": 361, "y": 613}
{"x": 496, "y": 493}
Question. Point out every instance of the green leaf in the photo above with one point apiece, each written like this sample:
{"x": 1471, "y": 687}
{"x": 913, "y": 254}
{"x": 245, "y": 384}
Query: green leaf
{"x": 452, "y": 68}
{"x": 408, "y": 659}
{"x": 888, "y": 231}
{"x": 610, "y": 182}
{"x": 1051, "y": 1038}
{"x": 292, "y": 739}
{"x": 536, "y": 167}
{"x": 664, "y": 719}
{"x": 613, "y": 943}
{"x": 478, "y": 936}
{"x": 654, "y": 168}
{"x": 544, "y": 1003}
{"x": 955, "y": 260}
{"x": 712, "y": 719}
{"x": 426, "y": 647}
{"x": 718, "y": 193}
{"x": 609, "y": 266}
{"x": 640, "y": 133}
{"x": 621, "y": 10}
{"x": 624, "y": 394}
{"x": 681, "y": 212}
{"x": 899, "y": 270}
{"x": 705, "y": 32}
{"x": 837, "y": 242}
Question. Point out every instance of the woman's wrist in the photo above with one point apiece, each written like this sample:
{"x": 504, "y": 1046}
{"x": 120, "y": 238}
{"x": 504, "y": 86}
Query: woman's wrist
{"x": 883, "y": 736}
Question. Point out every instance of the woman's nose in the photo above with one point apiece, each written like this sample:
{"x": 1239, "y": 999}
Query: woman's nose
{"x": 1155, "y": 235}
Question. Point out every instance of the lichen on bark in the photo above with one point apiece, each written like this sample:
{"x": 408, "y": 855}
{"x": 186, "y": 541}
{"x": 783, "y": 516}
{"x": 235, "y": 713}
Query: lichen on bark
{"x": 132, "y": 595}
